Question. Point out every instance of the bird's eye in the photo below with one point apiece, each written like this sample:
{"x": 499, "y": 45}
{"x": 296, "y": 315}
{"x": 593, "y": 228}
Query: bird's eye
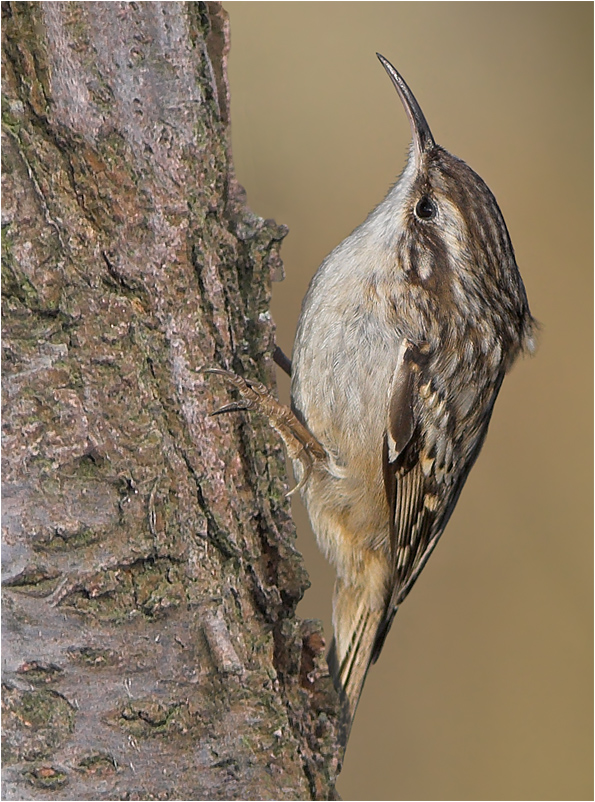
{"x": 426, "y": 208}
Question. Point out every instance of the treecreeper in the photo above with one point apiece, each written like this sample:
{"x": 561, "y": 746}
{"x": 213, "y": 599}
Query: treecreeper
{"x": 405, "y": 335}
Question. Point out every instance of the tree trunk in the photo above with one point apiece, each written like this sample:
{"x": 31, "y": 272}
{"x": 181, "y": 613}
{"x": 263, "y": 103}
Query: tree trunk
{"x": 151, "y": 648}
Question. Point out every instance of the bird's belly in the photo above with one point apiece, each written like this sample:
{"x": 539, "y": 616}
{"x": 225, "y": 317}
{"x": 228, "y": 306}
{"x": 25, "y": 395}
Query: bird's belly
{"x": 342, "y": 390}
{"x": 342, "y": 371}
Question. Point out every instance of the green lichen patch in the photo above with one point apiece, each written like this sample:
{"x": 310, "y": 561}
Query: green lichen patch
{"x": 35, "y": 281}
{"x": 98, "y": 764}
{"x": 149, "y": 717}
{"x": 67, "y": 540}
{"x": 94, "y": 658}
{"x": 35, "y": 581}
{"x": 35, "y": 723}
{"x": 38, "y": 673}
{"x": 157, "y": 590}
{"x": 14, "y": 282}
{"x": 48, "y": 777}
{"x": 22, "y": 28}
{"x": 148, "y": 587}
{"x": 13, "y": 113}
{"x": 91, "y": 466}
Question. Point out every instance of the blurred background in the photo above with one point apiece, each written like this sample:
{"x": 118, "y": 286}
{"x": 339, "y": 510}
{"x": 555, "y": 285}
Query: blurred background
{"x": 484, "y": 687}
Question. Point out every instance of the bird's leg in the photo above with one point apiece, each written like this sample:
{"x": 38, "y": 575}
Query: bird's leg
{"x": 282, "y": 360}
{"x": 300, "y": 442}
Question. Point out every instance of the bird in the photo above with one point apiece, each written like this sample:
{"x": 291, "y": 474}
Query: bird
{"x": 405, "y": 335}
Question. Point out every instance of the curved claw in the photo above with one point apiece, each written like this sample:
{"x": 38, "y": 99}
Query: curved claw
{"x": 305, "y": 476}
{"x": 242, "y": 384}
{"x": 235, "y": 406}
{"x": 218, "y": 371}
{"x": 300, "y": 443}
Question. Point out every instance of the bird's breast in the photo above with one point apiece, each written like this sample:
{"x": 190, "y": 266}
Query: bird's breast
{"x": 344, "y": 358}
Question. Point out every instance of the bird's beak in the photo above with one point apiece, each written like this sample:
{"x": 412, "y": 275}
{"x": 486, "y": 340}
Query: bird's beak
{"x": 423, "y": 140}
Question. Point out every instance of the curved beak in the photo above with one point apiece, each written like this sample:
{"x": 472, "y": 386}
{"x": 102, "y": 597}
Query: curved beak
{"x": 420, "y": 130}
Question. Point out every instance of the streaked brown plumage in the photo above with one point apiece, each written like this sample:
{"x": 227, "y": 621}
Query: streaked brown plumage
{"x": 405, "y": 335}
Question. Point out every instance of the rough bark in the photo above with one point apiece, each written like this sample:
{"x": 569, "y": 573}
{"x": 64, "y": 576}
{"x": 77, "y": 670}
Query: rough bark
{"x": 151, "y": 648}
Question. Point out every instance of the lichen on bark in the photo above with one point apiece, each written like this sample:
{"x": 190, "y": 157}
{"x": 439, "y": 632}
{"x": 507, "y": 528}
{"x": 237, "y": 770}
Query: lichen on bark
{"x": 142, "y": 538}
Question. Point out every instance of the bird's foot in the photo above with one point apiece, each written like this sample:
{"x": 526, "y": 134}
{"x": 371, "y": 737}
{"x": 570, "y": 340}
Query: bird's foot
{"x": 301, "y": 444}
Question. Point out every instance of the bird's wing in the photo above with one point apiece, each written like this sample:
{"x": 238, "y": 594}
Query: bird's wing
{"x": 414, "y": 494}
{"x": 422, "y": 482}
{"x": 409, "y": 475}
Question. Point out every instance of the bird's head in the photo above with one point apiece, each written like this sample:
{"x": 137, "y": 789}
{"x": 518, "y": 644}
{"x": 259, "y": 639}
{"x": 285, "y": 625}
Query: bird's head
{"x": 445, "y": 223}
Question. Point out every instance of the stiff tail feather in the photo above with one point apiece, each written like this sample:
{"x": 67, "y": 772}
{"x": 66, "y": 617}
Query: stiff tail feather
{"x": 353, "y": 647}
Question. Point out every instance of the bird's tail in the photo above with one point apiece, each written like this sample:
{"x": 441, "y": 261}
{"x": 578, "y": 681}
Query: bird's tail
{"x": 356, "y": 623}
